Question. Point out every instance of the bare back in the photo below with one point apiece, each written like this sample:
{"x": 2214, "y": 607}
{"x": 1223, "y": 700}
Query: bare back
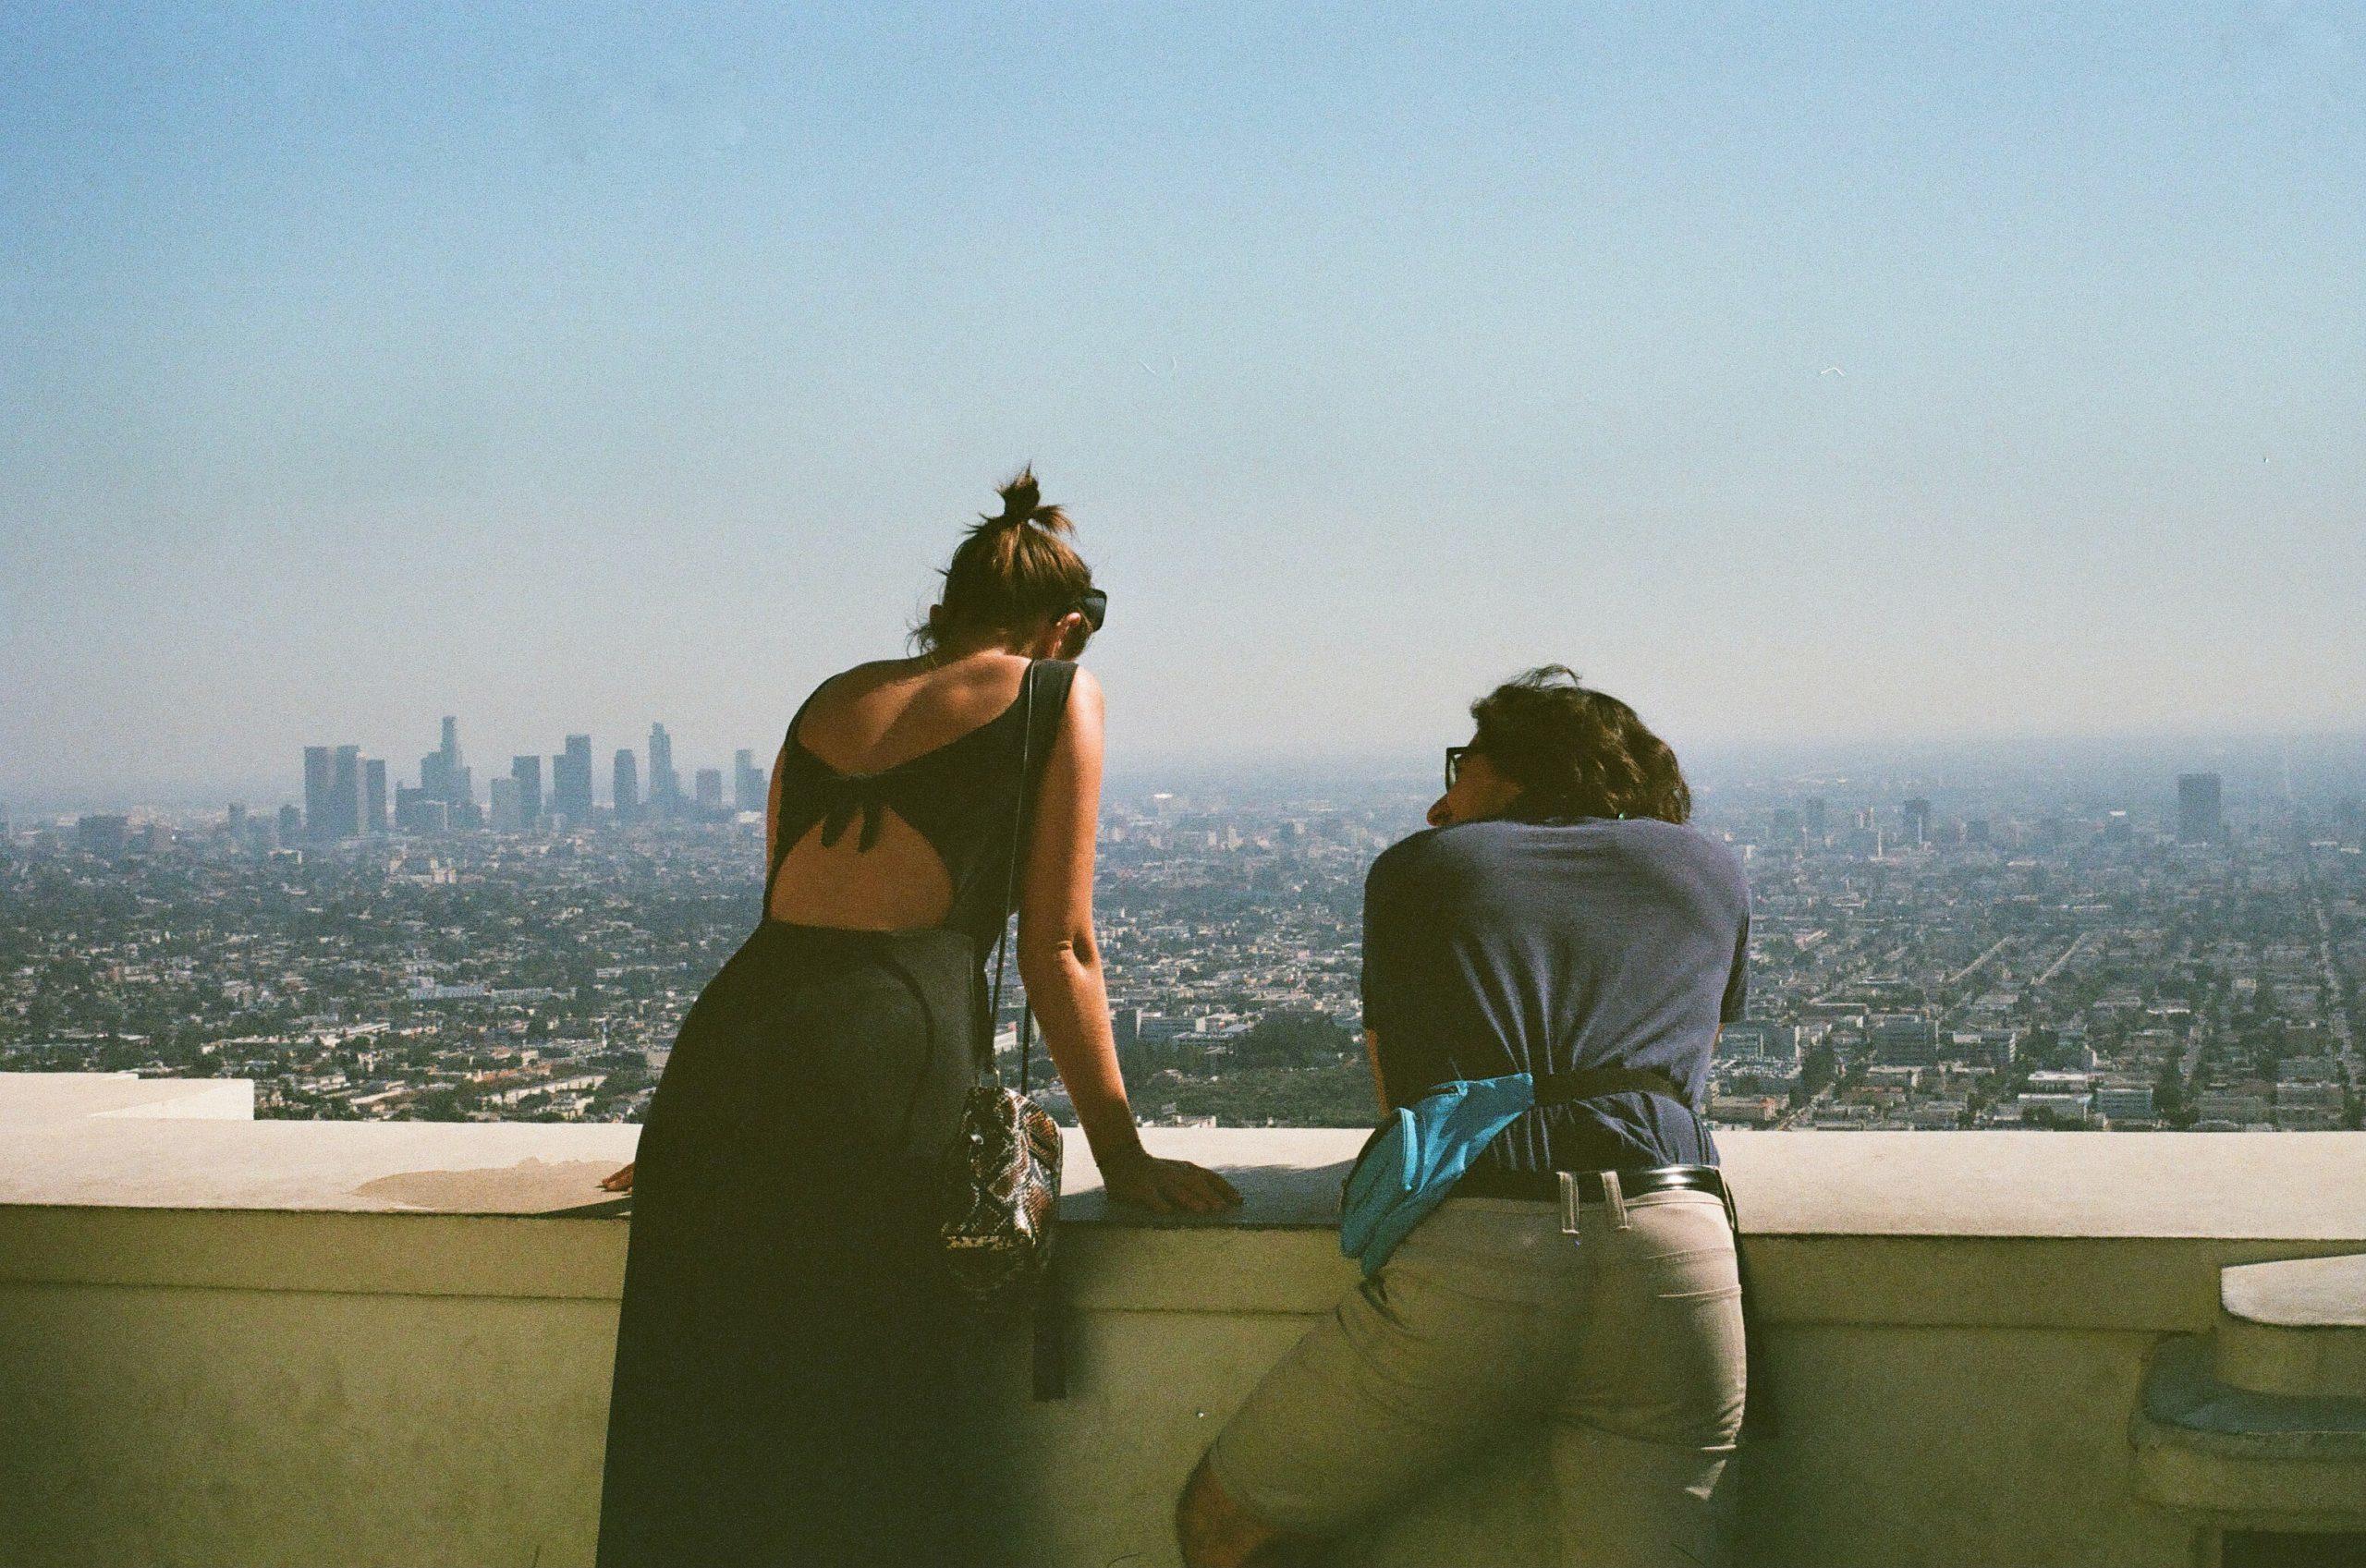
{"x": 862, "y": 734}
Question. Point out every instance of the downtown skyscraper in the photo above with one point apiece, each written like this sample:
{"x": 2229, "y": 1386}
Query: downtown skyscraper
{"x": 317, "y": 773}
{"x": 526, "y": 772}
{"x": 571, "y": 780}
{"x": 665, "y": 784}
{"x": 625, "y": 785}
{"x": 444, "y": 776}
{"x": 338, "y": 793}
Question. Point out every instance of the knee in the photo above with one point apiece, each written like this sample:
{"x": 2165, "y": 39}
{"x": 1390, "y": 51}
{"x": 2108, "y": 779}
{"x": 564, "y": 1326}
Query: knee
{"x": 1217, "y": 1532}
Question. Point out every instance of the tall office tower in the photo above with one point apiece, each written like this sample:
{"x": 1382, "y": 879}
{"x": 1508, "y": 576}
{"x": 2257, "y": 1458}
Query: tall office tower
{"x": 345, "y": 792}
{"x": 1917, "y": 819}
{"x": 664, "y": 785}
{"x": 507, "y": 816}
{"x": 444, "y": 776}
{"x": 317, "y": 766}
{"x": 373, "y": 794}
{"x": 2199, "y": 819}
{"x": 526, "y": 772}
{"x": 234, "y": 820}
{"x": 1817, "y": 818}
{"x": 571, "y": 780}
{"x": 625, "y": 785}
{"x": 749, "y": 785}
{"x": 291, "y": 825}
{"x": 710, "y": 792}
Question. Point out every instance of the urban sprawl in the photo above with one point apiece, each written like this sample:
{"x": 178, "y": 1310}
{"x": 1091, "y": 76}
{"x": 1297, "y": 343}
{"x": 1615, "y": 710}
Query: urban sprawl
{"x": 1924, "y": 954}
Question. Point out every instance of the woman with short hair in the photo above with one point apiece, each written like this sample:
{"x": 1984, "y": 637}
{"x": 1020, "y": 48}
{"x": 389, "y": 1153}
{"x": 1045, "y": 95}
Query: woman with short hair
{"x": 797, "y": 1380}
{"x": 1578, "y": 1282}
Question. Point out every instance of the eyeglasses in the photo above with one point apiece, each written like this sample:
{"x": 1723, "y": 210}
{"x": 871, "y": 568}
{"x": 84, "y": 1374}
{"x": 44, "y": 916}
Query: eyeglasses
{"x": 1093, "y": 605}
{"x": 1454, "y": 756}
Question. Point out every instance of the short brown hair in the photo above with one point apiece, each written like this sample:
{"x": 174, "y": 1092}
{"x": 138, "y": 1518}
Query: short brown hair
{"x": 1577, "y": 752}
{"x": 1009, "y": 570}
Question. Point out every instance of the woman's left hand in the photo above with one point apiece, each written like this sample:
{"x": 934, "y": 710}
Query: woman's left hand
{"x": 621, "y": 1182}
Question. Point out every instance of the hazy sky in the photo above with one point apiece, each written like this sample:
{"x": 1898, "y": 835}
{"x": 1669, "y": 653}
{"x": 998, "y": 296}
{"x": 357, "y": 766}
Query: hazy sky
{"x": 1792, "y": 371}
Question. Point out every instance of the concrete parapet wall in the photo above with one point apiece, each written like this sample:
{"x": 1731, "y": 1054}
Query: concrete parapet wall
{"x": 357, "y": 1382}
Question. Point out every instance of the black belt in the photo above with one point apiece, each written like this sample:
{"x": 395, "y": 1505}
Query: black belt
{"x": 1545, "y": 1185}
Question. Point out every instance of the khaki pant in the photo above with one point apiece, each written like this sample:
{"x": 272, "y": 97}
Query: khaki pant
{"x": 1604, "y": 1370}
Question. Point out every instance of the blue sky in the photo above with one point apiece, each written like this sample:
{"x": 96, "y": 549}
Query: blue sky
{"x": 1796, "y": 372}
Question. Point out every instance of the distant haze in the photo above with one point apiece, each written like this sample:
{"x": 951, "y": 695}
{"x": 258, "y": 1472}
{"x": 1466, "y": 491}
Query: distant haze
{"x": 1885, "y": 376}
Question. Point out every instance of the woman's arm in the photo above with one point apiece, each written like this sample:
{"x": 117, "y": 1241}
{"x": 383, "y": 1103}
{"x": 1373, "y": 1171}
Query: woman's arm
{"x": 1060, "y": 961}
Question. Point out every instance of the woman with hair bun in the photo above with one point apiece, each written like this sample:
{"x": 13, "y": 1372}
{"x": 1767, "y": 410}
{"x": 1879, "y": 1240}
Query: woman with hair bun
{"x": 797, "y": 1380}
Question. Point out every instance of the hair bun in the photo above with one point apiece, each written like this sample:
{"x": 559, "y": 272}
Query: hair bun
{"x": 1023, "y": 502}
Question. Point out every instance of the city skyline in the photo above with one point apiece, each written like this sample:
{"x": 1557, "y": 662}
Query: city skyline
{"x": 347, "y": 795}
{"x": 2328, "y": 768}
{"x": 2143, "y": 770}
{"x": 2012, "y": 956}
{"x": 1793, "y": 379}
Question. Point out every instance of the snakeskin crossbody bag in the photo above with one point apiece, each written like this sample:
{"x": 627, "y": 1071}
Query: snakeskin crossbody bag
{"x": 1002, "y": 1176}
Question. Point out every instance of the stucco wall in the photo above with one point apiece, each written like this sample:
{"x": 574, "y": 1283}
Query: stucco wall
{"x": 224, "y": 1384}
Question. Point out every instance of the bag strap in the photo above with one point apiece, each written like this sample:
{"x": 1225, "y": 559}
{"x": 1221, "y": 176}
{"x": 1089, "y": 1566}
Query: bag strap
{"x": 1560, "y": 1088}
{"x": 1010, "y": 891}
{"x": 1042, "y": 724}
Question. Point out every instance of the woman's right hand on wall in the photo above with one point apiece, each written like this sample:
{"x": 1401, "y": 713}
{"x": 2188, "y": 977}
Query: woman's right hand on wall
{"x": 1167, "y": 1186}
{"x": 621, "y": 1182}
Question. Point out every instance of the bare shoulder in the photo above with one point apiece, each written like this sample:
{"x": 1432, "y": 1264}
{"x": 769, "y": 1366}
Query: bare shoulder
{"x": 857, "y": 678}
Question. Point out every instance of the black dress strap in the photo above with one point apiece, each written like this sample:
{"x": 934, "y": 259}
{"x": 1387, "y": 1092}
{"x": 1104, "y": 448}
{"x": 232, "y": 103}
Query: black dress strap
{"x": 1054, "y": 679}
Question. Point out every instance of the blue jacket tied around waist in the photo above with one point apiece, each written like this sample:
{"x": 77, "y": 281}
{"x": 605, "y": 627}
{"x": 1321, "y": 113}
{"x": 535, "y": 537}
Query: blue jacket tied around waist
{"x": 1414, "y": 1158}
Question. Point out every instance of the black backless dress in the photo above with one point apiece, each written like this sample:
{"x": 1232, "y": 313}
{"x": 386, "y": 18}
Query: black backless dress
{"x": 794, "y": 1381}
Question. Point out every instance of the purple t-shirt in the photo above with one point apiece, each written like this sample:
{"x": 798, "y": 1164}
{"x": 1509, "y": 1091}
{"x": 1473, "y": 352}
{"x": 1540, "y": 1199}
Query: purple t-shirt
{"x": 1511, "y": 946}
